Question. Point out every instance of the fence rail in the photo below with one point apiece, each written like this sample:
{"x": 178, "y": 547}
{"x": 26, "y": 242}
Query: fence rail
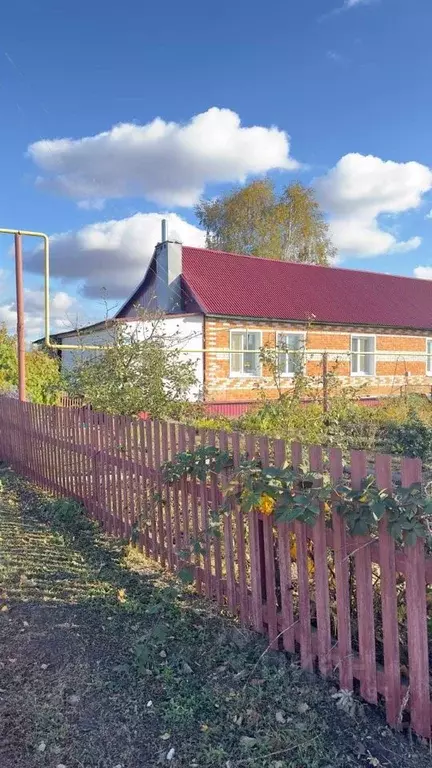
{"x": 355, "y": 606}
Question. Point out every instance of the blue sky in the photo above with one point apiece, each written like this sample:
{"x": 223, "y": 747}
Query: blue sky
{"x": 344, "y": 85}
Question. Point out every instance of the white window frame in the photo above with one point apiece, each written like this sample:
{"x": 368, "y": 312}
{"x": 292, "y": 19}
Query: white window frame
{"x": 363, "y": 374}
{"x": 243, "y": 375}
{"x": 428, "y": 358}
{"x": 290, "y": 374}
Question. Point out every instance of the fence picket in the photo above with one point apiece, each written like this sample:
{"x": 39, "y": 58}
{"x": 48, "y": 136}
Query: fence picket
{"x": 284, "y": 559}
{"x": 204, "y": 506}
{"x": 214, "y": 496}
{"x": 240, "y": 544}
{"x": 228, "y": 537}
{"x": 145, "y": 510}
{"x": 194, "y": 509}
{"x": 389, "y": 601}
{"x": 364, "y": 594}
{"x": 417, "y": 619}
{"x": 269, "y": 584}
{"x": 175, "y": 492}
{"x": 151, "y": 486}
{"x": 159, "y": 504}
{"x": 167, "y": 494}
{"x": 254, "y": 556}
{"x": 306, "y": 658}
{"x": 321, "y": 576}
{"x": 344, "y": 646}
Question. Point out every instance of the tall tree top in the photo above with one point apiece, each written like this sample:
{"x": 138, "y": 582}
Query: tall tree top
{"x": 255, "y": 220}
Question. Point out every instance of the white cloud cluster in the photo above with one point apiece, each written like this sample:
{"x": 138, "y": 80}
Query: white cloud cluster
{"x": 423, "y": 273}
{"x": 111, "y": 257}
{"x": 63, "y": 313}
{"x": 348, "y": 4}
{"x": 359, "y": 189}
{"x": 166, "y": 162}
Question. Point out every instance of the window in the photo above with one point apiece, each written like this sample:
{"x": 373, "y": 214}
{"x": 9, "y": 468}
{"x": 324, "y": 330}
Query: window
{"x": 245, "y": 355}
{"x": 362, "y": 355}
{"x": 429, "y": 357}
{"x": 291, "y": 353}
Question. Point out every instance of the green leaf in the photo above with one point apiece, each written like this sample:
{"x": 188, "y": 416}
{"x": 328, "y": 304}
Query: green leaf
{"x": 186, "y": 574}
{"x": 378, "y": 508}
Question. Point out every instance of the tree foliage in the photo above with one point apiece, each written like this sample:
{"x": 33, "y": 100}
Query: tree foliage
{"x": 43, "y": 379}
{"x": 256, "y": 220}
{"x": 141, "y": 369}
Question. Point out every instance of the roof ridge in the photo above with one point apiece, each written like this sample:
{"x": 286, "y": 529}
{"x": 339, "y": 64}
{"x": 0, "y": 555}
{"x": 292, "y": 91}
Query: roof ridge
{"x": 300, "y": 264}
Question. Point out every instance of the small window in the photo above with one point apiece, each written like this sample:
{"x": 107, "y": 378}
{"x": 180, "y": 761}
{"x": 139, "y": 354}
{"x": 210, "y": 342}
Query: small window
{"x": 429, "y": 357}
{"x": 362, "y": 355}
{"x": 291, "y": 353}
{"x": 245, "y": 350}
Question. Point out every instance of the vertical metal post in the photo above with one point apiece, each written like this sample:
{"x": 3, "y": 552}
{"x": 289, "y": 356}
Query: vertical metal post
{"x": 20, "y": 317}
{"x": 325, "y": 382}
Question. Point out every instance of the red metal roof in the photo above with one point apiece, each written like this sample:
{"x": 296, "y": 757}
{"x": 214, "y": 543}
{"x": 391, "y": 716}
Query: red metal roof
{"x": 246, "y": 286}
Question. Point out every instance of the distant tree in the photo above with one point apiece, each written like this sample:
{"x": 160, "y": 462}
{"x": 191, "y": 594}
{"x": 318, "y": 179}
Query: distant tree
{"x": 255, "y": 220}
{"x": 43, "y": 379}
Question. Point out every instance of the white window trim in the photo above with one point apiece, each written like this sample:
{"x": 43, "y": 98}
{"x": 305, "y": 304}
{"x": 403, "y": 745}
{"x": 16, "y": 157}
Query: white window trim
{"x": 233, "y": 375}
{"x": 428, "y": 370}
{"x": 290, "y": 333}
{"x": 365, "y": 336}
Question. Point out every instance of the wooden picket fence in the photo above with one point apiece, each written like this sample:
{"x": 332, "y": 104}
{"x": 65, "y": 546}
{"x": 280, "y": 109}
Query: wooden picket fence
{"x": 354, "y": 606}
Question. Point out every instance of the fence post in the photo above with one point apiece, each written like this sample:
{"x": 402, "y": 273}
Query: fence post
{"x": 418, "y": 658}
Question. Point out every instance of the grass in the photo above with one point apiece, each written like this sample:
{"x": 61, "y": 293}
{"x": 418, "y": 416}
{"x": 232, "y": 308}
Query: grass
{"x": 106, "y": 662}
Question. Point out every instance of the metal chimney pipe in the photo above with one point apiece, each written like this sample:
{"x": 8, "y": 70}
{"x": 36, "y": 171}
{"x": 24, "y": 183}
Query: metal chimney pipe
{"x": 164, "y": 230}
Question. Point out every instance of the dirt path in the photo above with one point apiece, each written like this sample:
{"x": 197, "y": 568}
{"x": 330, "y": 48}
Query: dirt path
{"x": 105, "y": 667}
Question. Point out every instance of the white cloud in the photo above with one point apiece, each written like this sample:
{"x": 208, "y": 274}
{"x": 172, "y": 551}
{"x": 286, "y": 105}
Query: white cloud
{"x": 408, "y": 245}
{"x": 63, "y": 310}
{"x": 348, "y": 4}
{"x": 111, "y": 257}
{"x": 429, "y": 215}
{"x": 169, "y": 163}
{"x": 360, "y": 188}
{"x": 424, "y": 273}
{"x": 335, "y": 56}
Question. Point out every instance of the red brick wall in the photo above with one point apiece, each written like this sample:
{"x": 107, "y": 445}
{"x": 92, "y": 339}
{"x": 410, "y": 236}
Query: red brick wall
{"x": 393, "y": 368}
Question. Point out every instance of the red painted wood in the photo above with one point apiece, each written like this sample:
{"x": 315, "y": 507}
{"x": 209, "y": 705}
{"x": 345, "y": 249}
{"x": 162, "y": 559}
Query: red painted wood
{"x": 152, "y": 489}
{"x": 240, "y": 548}
{"x": 269, "y": 559}
{"x": 176, "y": 495}
{"x": 214, "y": 498}
{"x": 254, "y": 556}
{"x": 131, "y": 476}
{"x": 417, "y": 620}
{"x": 145, "y": 508}
{"x": 159, "y": 506}
{"x": 196, "y": 532}
{"x": 364, "y": 594}
{"x": 285, "y": 577}
{"x": 205, "y": 527}
{"x": 389, "y": 601}
{"x": 104, "y": 470}
{"x": 115, "y": 518}
{"x": 184, "y": 492}
{"x": 167, "y": 497}
{"x": 344, "y": 646}
{"x": 322, "y": 597}
{"x": 228, "y": 538}
{"x": 306, "y": 657}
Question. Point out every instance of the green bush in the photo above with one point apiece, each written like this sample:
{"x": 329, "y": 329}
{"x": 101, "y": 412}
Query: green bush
{"x": 43, "y": 378}
{"x": 412, "y": 438}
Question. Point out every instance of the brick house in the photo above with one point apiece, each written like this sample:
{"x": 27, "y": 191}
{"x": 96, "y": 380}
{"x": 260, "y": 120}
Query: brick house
{"x": 376, "y": 329}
